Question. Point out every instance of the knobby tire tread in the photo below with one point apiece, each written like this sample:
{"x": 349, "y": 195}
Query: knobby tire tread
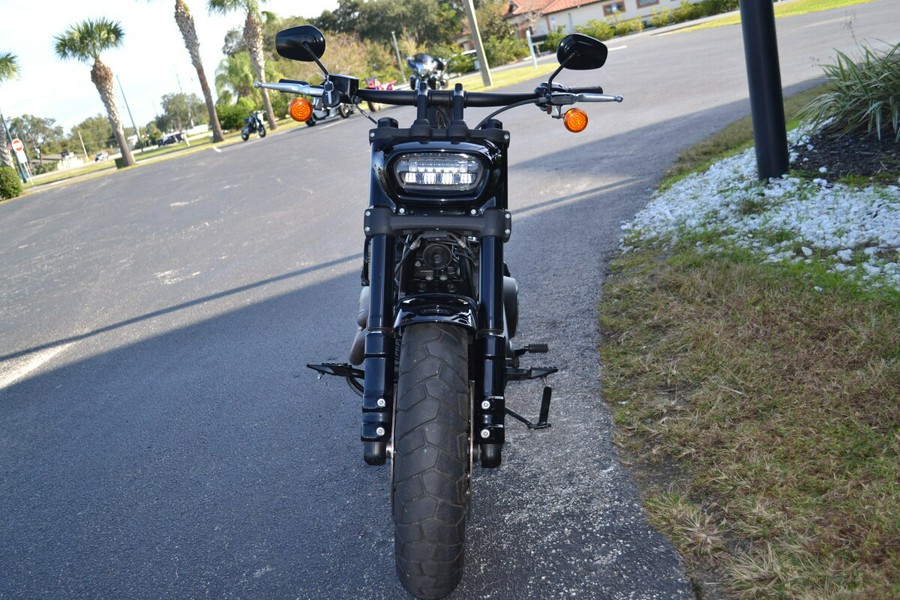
{"x": 431, "y": 458}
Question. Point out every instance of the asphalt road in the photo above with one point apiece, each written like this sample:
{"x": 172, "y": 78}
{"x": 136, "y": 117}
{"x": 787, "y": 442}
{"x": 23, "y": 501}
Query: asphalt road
{"x": 160, "y": 436}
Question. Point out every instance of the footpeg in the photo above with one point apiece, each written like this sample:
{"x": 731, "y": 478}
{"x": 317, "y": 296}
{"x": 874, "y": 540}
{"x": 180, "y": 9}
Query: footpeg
{"x": 533, "y": 349}
{"x": 353, "y": 375}
{"x": 517, "y": 374}
{"x": 542, "y": 417}
{"x": 336, "y": 369}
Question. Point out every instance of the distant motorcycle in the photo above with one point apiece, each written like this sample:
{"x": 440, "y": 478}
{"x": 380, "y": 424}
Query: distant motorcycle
{"x": 253, "y": 124}
{"x": 373, "y": 84}
{"x": 320, "y": 114}
{"x": 431, "y": 70}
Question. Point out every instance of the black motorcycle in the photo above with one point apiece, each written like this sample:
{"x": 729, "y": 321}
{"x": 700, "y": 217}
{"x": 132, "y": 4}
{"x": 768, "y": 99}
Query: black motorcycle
{"x": 323, "y": 113}
{"x": 431, "y": 70}
{"x": 438, "y": 308}
{"x": 253, "y": 124}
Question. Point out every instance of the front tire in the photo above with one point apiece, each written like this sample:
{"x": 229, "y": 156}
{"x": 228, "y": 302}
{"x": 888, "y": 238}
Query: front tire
{"x": 245, "y": 135}
{"x": 431, "y": 461}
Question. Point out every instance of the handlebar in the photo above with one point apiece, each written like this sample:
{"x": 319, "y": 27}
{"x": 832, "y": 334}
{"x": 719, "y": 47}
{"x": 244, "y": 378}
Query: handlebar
{"x": 292, "y": 87}
{"x": 559, "y": 96}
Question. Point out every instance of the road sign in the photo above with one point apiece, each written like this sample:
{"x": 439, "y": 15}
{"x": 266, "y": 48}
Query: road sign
{"x": 17, "y": 145}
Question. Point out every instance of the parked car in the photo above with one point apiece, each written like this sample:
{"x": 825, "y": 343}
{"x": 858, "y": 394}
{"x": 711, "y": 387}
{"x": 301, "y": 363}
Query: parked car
{"x": 101, "y": 156}
{"x": 465, "y": 62}
{"x": 170, "y": 138}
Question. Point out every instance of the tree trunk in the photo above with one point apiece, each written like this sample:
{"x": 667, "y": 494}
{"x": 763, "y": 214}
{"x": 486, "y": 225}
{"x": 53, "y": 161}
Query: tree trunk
{"x": 253, "y": 37}
{"x": 186, "y": 24}
{"x": 102, "y": 76}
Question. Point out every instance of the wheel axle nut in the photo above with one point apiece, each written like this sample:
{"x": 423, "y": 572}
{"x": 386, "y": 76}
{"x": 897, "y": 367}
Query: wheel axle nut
{"x": 486, "y": 404}
{"x": 485, "y": 433}
{"x": 381, "y": 403}
{"x": 380, "y": 431}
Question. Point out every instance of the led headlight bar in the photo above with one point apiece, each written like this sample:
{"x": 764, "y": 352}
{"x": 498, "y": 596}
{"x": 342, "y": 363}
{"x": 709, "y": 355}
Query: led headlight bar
{"x": 438, "y": 172}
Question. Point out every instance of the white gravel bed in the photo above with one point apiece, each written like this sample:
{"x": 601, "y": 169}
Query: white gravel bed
{"x": 851, "y": 230}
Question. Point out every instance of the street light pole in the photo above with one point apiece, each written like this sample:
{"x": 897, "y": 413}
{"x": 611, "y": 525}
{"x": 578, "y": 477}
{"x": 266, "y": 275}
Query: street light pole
{"x": 764, "y": 78}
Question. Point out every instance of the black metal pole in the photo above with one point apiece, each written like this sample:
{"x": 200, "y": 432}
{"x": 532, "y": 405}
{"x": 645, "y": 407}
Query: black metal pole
{"x": 764, "y": 78}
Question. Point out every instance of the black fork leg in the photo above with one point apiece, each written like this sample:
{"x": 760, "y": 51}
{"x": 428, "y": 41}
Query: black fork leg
{"x": 490, "y": 403}
{"x": 378, "y": 394}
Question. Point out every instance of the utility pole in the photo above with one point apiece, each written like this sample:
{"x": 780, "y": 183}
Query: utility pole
{"x": 479, "y": 48}
{"x": 83, "y": 149}
{"x": 186, "y": 101}
{"x": 124, "y": 99}
{"x": 399, "y": 60}
{"x": 764, "y": 78}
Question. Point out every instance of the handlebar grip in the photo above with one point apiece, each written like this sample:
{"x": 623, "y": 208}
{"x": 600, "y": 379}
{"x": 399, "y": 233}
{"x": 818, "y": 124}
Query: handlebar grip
{"x": 595, "y": 89}
{"x": 394, "y": 97}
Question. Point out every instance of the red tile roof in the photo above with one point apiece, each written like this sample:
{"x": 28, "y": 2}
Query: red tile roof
{"x": 520, "y": 7}
{"x": 561, "y": 5}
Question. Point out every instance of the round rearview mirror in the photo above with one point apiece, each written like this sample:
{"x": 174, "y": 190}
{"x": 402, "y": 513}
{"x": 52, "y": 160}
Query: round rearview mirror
{"x": 305, "y": 43}
{"x": 581, "y": 52}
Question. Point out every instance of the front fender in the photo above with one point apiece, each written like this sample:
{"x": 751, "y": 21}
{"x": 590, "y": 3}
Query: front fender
{"x": 437, "y": 308}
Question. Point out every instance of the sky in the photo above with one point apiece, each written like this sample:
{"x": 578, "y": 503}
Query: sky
{"x": 152, "y": 60}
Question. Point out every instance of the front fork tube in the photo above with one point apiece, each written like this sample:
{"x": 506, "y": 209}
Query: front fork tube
{"x": 490, "y": 367}
{"x": 378, "y": 394}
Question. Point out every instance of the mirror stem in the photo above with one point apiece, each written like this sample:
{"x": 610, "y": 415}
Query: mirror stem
{"x": 561, "y": 66}
{"x": 311, "y": 53}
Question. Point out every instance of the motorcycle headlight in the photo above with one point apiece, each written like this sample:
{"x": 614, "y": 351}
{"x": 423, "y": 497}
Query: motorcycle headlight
{"x": 438, "y": 172}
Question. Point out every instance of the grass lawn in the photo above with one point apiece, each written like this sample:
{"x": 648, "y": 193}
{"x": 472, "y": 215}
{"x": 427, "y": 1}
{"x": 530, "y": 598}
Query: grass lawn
{"x": 782, "y": 9}
{"x": 759, "y": 407}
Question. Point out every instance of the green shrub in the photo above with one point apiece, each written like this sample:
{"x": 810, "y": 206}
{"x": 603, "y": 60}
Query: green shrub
{"x": 864, "y": 96}
{"x": 457, "y": 62}
{"x": 688, "y": 12}
{"x": 231, "y": 116}
{"x": 502, "y": 51}
{"x": 553, "y": 40}
{"x": 629, "y": 26}
{"x": 661, "y": 18}
{"x": 280, "y": 103}
{"x": 10, "y": 184}
{"x": 597, "y": 29}
{"x": 462, "y": 63}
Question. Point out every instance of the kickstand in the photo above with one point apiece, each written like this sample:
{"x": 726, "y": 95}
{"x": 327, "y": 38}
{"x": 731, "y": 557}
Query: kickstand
{"x": 542, "y": 418}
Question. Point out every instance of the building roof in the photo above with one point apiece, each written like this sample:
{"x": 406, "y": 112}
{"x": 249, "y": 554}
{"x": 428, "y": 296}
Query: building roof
{"x": 561, "y": 5}
{"x": 521, "y": 7}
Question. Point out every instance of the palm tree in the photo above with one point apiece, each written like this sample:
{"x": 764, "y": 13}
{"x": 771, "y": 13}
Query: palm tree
{"x": 253, "y": 38}
{"x": 235, "y": 76}
{"x": 84, "y": 42}
{"x": 185, "y": 21}
{"x": 9, "y": 69}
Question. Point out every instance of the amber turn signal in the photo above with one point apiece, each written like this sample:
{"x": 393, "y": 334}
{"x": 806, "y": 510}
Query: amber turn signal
{"x": 300, "y": 109}
{"x": 576, "y": 120}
